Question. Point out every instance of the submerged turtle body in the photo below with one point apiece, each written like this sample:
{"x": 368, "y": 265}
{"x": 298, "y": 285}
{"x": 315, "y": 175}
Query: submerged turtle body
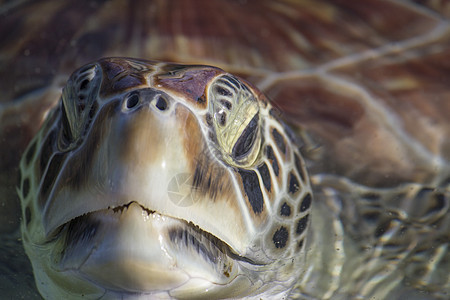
{"x": 364, "y": 86}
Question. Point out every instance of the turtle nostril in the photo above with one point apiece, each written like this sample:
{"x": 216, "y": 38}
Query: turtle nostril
{"x": 132, "y": 101}
{"x": 161, "y": 104}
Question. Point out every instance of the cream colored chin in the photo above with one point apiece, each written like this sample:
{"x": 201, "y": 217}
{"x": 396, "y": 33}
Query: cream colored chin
{"x": 132, "y": 252}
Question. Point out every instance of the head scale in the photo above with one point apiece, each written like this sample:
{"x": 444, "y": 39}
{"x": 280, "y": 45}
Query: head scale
{"x": 163, "y": 179}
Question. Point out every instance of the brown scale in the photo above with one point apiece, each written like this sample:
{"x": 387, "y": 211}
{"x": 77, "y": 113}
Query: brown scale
{"x": 174, "y": 77}
{"x": 120, "y": 75}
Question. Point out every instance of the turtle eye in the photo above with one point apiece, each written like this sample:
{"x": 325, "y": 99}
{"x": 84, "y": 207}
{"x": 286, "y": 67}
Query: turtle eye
{"x": 246, "y": 140}
{"x": 78, "y": 104}
{"x": 236, "y": 121}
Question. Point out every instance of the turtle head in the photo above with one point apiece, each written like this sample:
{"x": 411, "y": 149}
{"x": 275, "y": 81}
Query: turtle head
{"x": 161, "y": 179}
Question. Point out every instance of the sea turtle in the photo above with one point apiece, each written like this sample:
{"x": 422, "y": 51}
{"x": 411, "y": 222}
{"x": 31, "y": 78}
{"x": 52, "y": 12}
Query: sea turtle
{"x": 362, "y": 86}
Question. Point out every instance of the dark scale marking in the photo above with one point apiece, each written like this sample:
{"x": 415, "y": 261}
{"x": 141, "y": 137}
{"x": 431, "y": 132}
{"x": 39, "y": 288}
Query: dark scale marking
{"x": 252, "y": 189}
{"x": 245, "y": 88}
{"x": 81, "y": 106}
{"x": 27, "y": 215}
{"x": 93, "y": 110}
{"x": 306, "y": 203}
{"x": 382, "y": 228}
{"x": 47, "y": 150}
{"x": 439, "y": 202}
{"x": 211, "y": 136}
{"x": 224, "y": 92}
{"x": 423, "y": 193}
{"x": 222, "y": 118}
{"x": 294, "y": 185}
{"x": 208, "y": 180}
{"x": 371, "y": 217}
{"x": 300, "y": 244}
{"x": 25, "y": 187}
{"x": 300, "y": 170}
{"x": 228, "y": 84}
{"x": 80, "y": 232}
{"x": 66, "y": 134}
{"x": 247, "y": 139}
{"x": 279, "y": 140}
{"x": 192, "y": 238}
{"x": 302, "y": 224}
{"x": 271, "y": 156}
{"x": 227, "y": 104}
{"x": 201, "y": 99}
{"x": 265, "y": 175}
{"x": 281, "y": 237}
{"x": 208, "y": 119}
{"x": 285, "y": 210}
{"x": 275, "y": 113}
{"x": 50, "y": 176}
{"x": 436, "y": 199}
{"x": 30, "y": 153}
{"x": 371, "y": 196}
{"x": 232, "y": 80}
{"x": 84, "y": 84}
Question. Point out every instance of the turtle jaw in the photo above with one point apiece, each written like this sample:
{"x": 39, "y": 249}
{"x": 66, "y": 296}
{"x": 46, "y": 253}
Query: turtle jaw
{"x": 133, "y": 249}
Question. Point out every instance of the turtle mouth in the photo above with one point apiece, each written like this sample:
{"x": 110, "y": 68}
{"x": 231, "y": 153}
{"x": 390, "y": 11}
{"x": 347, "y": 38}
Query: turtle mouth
{"x": 180, "y": 239}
